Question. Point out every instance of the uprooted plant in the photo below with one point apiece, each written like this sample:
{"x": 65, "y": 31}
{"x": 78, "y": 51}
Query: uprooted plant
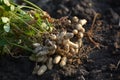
{"x": 31, "y": 28}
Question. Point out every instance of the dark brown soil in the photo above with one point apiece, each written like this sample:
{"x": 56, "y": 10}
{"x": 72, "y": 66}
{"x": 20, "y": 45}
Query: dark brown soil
{"x": 100, "y": 64}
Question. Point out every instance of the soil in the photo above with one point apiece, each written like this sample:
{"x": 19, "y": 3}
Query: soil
{"x": 98, "y": 64}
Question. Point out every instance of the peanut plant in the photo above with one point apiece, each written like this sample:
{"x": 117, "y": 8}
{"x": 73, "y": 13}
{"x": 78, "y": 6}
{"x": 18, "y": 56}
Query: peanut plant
{"x": 21, "y": 25}
{"x": 25, "y": 27}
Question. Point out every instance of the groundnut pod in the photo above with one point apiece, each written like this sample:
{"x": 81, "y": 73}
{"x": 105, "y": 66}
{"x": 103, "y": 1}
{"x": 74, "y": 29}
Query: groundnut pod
{"x": 45, "y": 59}
{"x": 37, "y": 49}
{"x": 72, "y": 50}
{"x": 41, "y": 70}
{"x": 53, "y": 37}
{"x": 49, "y": 63}
{"x": 76, "y": 50}
{"x": 33, "y": 58}
{"x": 63, "y": 61}
{"x": 36, "y": 45}
{"x": 75, "y": 19}
{"x": 59, "y": 41}
{"x": 62, "y": 34}
{"x": 57, "y": 59}
{"x": 78, "y": 26}
{"x": 42, "y": 59}
{"x": 80, "y": 35}
{"x": 42, "y": 53}
{"x": 83, "y": 21}
{"x": 36, "y": 68}
{"x": 82, "y": 30}
{"x": 75, "y": 31}
{"x": 74, "y": 45}
{"x": 68, "y": 42}
{"x": 68, "y": 35}
{"x": 51, "y": 52}
{"x": 69, "y": 21}
{"x": 66, "y": 47}
{"x": 80, "y": 42}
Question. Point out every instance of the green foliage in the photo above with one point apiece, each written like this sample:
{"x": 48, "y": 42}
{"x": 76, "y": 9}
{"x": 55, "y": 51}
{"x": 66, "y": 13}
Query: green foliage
{"x": 6, "y": 27}
{"x": 19, "y": 27}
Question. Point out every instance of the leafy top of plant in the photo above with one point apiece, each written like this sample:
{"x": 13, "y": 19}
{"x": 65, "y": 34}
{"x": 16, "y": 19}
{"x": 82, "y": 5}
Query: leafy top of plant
{"x": 21, "y": 23}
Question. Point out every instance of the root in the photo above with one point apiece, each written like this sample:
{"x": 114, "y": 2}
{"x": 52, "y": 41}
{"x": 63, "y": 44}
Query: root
{"x": 89, "y": 34}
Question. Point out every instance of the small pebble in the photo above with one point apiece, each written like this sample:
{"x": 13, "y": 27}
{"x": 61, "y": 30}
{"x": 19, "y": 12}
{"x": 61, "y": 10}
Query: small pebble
{"x": 112, "y": 67}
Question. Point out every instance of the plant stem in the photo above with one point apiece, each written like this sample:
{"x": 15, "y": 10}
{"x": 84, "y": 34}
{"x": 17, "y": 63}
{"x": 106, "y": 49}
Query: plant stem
{"x": 28, "y": 7}
{"x": 34, "y": 5}
{"x": 21, "y": 47}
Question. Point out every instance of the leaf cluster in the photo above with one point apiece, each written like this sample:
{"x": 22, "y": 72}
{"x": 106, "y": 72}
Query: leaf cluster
{"x": 20, "y": 25}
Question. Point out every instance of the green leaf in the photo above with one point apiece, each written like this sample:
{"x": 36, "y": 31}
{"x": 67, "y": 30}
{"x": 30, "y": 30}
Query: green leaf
{"x": 30, "y": 32}
{"x": 1, "y": 1}
{"x": 3, "y": 42}
{"x": 6, "y": 2}
{"x": 5, "y": 19}
{"x": 6, "y": 27}
{"x": 44, "y": 26}
{"x": 12, "y": 7}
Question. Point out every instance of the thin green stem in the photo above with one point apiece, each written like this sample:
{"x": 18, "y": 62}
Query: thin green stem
{"x": 28, "y": 49}
{"x": 26, "y": 23}
{"x": 34, "y": 5}
{"x": 28, "y": 7}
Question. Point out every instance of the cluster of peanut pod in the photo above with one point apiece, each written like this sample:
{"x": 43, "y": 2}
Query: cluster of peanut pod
{"x": 58, "y": 47}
